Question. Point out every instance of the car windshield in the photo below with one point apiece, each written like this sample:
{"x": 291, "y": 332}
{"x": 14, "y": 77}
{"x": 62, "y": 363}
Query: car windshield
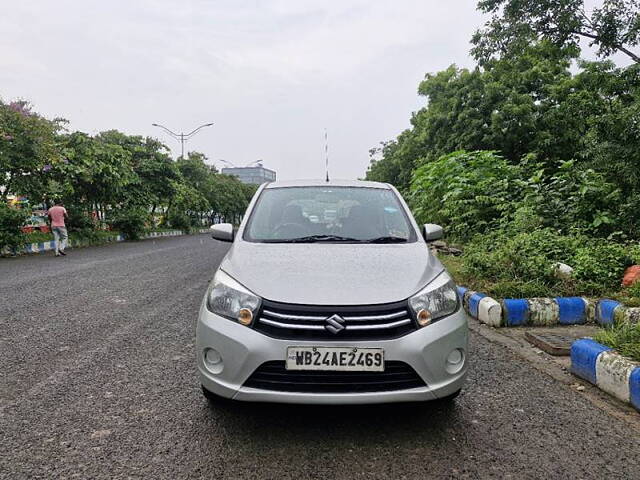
{"x": 328, "y": 214}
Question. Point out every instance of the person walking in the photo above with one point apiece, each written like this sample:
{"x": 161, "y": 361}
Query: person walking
{"x": 57, "y": 215}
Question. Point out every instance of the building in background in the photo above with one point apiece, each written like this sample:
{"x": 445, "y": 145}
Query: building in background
{"x": 256, "y": 175}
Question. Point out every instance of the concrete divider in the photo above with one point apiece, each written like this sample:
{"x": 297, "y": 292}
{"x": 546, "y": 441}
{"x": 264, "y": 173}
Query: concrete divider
{"x": 607, "y": 369}
{"x": 545, "y": 312}
{"x": 42, "y": 247}
{"x": 490, "y": 312}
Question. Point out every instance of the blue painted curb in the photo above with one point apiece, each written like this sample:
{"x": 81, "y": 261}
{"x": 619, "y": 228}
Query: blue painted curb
{"x": 605, "y": 311}
{"x": 606, "y": 369}
{"x": 462, "y": 291}
{"x": 584, "y": 353}
{"x": 515, "y": 311}
{"x": 634, "y": 388}
{"x": 50, "y": 245}
{"x": 474, "y": 301}
{"x": 571, "y": 310}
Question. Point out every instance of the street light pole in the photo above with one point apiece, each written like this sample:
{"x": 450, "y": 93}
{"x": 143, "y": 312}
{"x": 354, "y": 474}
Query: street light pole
{"x": 182, "y": 137}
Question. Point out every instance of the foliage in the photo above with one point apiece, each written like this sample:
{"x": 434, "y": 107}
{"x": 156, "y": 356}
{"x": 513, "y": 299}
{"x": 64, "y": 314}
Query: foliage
{"x": 470, "y": 192}
{"x": 11, "y": 219}
{"x": 79, "y": 220}
{"x": 131, "y": 222}
{"x": 28, "y": 148}
{"x": 612, "y": 27}
{"x": 180, "y": 220}
{"x": 546, "y": 150}
{"x": 623, "y": 338}
{"x": 511, "y": 107}
{"x": 522, "y": 264}
{"x": 600, "y": 265}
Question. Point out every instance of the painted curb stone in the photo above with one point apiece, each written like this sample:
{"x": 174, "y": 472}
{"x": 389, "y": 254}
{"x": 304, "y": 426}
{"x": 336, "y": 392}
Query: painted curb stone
{"x": 612, "y": 374}
{"x": 584, "y": 354}
{"x": 634, "y": 388}
{"x": 605, "y": 311}
{"x": 543, "y": 312}
{"x": 624, "y": 314}
{"x": 515, "y": 311}
{"x": 571, "y": 310}
{"x": 608, "y": 370}
{"x": 490, "y": 312}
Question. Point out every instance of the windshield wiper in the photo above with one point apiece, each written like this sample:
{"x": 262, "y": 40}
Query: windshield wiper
{"x": 389, "y": 239}
{"x": 314, "y": 239}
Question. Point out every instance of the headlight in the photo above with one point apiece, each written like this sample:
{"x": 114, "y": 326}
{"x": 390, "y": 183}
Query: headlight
{"x": 228, "y": 298}
{"x": 436, "y": 300}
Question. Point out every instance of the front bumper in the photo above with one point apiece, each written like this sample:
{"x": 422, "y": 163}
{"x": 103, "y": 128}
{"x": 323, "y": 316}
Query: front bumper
{"x": 243, "y": 350}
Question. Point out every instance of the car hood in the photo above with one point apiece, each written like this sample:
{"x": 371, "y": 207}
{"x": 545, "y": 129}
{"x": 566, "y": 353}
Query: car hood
{"x": 331, "y": 273}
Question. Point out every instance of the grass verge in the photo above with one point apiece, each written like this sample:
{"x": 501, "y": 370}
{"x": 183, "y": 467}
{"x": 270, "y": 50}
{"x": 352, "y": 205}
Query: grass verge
{"x": 623, "y": 338}
{"x": 529, "y": 288}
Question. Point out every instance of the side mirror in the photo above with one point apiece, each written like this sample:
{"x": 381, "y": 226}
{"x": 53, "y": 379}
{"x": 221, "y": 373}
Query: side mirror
{"x": 222, "y": 232}
{"x": 431, "y": 232}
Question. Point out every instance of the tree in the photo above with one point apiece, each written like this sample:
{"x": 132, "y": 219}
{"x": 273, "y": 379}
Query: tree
{"x": 612, "y": 27}
{"x": 155, "y": 174}
{"x": 28, "y": 149}
{"x": 510, "y": 105}
{"x": 95, "y": 173}
{"x": 469, "y": 192}
{"x": 195, "y": 170}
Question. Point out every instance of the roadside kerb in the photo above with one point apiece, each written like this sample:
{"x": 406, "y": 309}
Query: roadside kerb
{"x": 608, "y": 370}
{"x": 545, "y": 312}
{"x": 42, "y": 247}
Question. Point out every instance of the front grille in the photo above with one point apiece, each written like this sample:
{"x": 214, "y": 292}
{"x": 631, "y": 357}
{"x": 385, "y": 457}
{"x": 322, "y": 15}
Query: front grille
{"x": 305, "y": 322}
{"x": 274, "y": 376}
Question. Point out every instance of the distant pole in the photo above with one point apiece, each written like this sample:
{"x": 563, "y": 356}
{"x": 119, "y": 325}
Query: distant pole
{"x": 326, "y": 153}
{"x": 182, "y": 137}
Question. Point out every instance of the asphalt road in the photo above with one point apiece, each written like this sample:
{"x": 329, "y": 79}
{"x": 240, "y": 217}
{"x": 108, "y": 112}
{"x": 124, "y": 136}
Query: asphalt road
{"x": 97, "y": 380}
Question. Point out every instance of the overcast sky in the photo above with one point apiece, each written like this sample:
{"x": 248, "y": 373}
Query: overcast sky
{"x": 270, "y": 74}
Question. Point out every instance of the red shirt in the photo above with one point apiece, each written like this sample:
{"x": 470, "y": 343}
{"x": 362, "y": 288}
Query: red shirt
{"x": 57, "y": 214}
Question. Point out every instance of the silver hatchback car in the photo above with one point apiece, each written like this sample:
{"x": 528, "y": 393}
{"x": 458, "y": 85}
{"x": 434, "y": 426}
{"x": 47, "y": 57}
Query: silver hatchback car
{"x": 329, "y": 295}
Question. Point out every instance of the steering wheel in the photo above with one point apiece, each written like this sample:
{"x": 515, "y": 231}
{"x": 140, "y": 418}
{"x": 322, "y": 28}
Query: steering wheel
{"x": 292, "y": 229}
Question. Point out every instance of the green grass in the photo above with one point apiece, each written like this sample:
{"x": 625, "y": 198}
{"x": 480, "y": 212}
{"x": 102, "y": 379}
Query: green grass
{"x": 527, "y": 288}
{"x": 624, "y": 339}
{"x": 90, "y": 236}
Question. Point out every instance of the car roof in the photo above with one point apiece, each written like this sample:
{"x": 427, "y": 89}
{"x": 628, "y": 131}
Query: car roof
{"x": 331, "y": 183}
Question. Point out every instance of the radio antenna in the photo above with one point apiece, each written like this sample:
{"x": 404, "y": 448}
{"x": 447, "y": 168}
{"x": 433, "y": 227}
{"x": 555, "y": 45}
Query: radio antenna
{"x": 326, "y": 153}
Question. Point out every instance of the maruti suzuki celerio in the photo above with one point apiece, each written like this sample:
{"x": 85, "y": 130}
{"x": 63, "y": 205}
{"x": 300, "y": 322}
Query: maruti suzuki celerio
{"x": 329, "y": 295}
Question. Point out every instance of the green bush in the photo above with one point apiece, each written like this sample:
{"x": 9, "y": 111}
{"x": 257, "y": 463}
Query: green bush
{"x": 599, "y": 267}
{"x": 131, "y": 222}
{"x": 575, "y": 198}
{"x": 79, "y": 220}
{"x": 468, "y": 192}
{"x": 518, "y": 256}
{"x": 11, "y": 219}
{"x": 521, "y": 264}
{"x": 179, "y": 221}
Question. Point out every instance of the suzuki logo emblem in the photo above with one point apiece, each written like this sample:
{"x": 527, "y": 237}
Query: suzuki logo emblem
{"x": 334, "y": 324}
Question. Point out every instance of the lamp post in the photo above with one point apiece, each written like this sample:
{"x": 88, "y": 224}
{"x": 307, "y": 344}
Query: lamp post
{"x": 182, "y": 137}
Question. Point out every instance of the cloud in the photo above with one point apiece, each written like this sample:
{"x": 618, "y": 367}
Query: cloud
{"x": 270, "y": 74}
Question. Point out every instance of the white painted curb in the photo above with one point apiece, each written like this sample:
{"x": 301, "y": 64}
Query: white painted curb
{"x": 490, "y": 312}
{"x": 612, "y": 374}
{"x": 50, "y": 245}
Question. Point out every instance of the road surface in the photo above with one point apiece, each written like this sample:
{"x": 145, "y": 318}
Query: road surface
{"x": 98, "y": 381}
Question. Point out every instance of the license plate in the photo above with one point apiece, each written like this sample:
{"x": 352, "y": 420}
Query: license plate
{"x": 345, "y": 359}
